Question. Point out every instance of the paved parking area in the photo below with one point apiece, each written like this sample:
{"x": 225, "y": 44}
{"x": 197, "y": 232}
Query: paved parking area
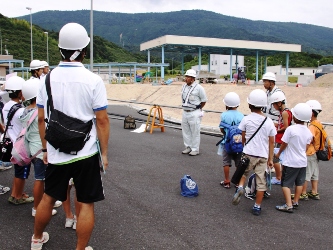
{"x": 143, "y": 208}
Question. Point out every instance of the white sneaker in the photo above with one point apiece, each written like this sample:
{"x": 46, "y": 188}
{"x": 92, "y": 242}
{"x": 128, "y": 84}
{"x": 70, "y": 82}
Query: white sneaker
{"x": 193, "y": 153}
{"x": 38, "y": 244}
{"x": 33, "y": 212}
{"x": 187, "y": 150}
{"x": 57, "y": 204}
{"x": 89, "y": 248}
{"x": 74, "y": 224}
{"x": 71, "y": 223}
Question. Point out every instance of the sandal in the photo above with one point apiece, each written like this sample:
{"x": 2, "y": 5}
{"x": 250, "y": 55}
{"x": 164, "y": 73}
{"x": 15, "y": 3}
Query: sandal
{"x": 21, "y": 200}
{"x": 225, "y": 184}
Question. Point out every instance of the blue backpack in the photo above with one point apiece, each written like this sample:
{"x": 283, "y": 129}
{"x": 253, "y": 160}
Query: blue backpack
{"x": 233, "y": 143}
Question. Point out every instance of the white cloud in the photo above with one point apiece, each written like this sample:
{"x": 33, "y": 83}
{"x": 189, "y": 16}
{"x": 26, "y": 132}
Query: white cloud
{"x": 301, "y": 11}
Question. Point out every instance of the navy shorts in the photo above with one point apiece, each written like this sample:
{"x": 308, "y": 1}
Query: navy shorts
{"x": 22, "y": 172}
{"x": 39, "y": 169}
{"x": 291, "y": 176}
{"x": 86, "y": 176}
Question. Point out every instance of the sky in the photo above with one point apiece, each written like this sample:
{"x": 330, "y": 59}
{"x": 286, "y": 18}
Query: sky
{"x": 317, "y": 12}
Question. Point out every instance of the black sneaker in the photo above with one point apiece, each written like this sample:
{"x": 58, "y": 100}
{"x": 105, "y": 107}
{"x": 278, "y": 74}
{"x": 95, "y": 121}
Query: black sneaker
{"x": 285, "y": 208}
{"x": 256, "y": 210}
{"x": 295, "y": 205}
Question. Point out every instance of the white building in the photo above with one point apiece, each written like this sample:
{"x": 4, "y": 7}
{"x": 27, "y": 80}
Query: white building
{"x": 279, "y": 70}
{"x": 220, "y": 64}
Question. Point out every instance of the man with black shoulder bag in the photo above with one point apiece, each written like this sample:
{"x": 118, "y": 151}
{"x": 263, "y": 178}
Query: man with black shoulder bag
{"x": 74, "y": 146}
{"x": 258, "y": 134}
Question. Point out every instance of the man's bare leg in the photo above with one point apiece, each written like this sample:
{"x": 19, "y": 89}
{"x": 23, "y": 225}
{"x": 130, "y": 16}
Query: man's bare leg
{"x": 43, "y": 215}
{"x": 85, "y": 224}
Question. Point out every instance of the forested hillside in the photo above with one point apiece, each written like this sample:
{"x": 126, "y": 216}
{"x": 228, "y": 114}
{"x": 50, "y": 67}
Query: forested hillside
{"x": 141, "y": 27}
{"x": 15, "y": 34}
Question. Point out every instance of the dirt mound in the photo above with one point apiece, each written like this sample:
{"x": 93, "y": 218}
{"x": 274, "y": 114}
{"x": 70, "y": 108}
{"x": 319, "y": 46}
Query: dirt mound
{"x": 323, "y": 81}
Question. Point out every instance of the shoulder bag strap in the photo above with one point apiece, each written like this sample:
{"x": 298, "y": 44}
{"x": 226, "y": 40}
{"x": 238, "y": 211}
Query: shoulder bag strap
{"x": 321, "y": 135}
{"x": 256, "y": 131}
{"x": 50, "y": 106}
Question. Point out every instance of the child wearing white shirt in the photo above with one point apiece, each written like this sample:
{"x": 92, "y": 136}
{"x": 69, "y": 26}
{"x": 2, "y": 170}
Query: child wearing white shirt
{"x": 295, "y": 141}
{"x": 258, "y": 148}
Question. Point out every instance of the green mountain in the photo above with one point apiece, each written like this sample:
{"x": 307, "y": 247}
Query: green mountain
{"x": 15, "y": 35}
{"x": 141, "y": 27}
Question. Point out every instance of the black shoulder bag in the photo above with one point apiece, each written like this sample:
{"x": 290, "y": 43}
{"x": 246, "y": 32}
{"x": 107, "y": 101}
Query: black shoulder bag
{"x": 68, "y": 134}
{"x": 6, "y": 144}
{"x": 244, "y": 162}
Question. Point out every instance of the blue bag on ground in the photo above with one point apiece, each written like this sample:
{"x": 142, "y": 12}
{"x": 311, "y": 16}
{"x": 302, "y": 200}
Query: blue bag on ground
{"x": 189, "y": 187}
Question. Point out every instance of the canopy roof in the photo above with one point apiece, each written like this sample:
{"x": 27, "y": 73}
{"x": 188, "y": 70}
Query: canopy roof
{"x": 190, "y": 44}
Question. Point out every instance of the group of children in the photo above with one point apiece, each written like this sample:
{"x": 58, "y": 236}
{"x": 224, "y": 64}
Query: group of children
{"x": 25, "y": 116}
{"x": 260, "y": 135}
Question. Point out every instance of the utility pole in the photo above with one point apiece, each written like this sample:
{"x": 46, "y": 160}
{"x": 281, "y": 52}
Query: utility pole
{"x": 32, "y": 56}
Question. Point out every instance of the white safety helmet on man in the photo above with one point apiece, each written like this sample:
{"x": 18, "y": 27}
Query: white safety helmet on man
{"x": 302, "y": 112}
{"x": 269, "y": 76}
{"x": 73, "y": 36}
{"x": 30, "y": 88}
{"x": 277, "y": 96}
{"x": 231, "y": 100}
{"x": 36, "y": 64}
{"x": 191, "y": 72}
{"x": 257, "y": 98}
{"x": 14, "y": 83}
{"x": 314, "y": 105}
{"x": 45, "y": 64}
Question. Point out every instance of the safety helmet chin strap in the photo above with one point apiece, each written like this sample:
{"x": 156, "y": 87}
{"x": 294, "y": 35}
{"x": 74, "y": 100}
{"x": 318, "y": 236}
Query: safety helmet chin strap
{"x": 75, "y": 55}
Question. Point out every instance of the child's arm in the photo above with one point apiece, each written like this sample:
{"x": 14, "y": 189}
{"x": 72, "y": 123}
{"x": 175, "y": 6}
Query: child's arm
{"x": 270, "y": 151}
{"x": 243, "y": 138}
{"x": 283, "y": 147}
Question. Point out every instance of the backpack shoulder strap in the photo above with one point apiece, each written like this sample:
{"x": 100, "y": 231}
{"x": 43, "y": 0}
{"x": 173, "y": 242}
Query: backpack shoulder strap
{"x": 225, "y": 125}
{"x": 10, "y": 116}
{"x": 32, "y": 118}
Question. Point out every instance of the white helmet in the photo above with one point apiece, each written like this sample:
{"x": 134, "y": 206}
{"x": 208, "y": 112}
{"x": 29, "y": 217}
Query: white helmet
{"x": 231, "y": 100}
{"x": 14, "y": 83}
{"x": 73, "y": 36}
{"x": 257, "y": 98}
{"x": 302, "y": 112}
{"x": 36, "y": 64}
{"x": 269, "y": 76}
{"x": 30, "y": 88}
{"x": 278, "y": 97}
{"x": 191, "y": 72}
{"x": 44, "y": 63}
{"x": 314, "y": 105}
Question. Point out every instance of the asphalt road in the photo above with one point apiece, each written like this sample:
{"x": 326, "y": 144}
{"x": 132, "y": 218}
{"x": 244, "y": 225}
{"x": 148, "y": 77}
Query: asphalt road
{"x": 143, "y": 208}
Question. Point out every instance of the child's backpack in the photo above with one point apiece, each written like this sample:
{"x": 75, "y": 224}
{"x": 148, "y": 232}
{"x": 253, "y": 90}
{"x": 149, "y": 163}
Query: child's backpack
{"x": 233, "y": 143}
{"x": 251, "y": 187}
{"x": 20, "y": 152}
{"x": 324, "y": 152}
